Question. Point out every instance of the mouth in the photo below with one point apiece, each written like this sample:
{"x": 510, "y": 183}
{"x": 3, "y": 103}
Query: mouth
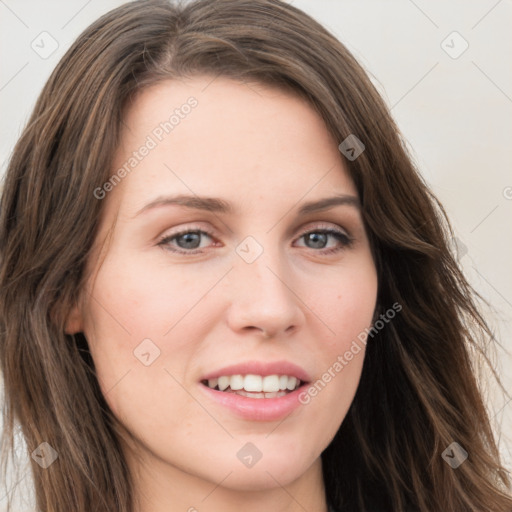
{"x": 255, "y": 386}
{"x": 256, "y": 390}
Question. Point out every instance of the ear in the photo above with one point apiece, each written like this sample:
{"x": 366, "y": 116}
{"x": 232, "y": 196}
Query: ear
{"x": 74, "y": 323}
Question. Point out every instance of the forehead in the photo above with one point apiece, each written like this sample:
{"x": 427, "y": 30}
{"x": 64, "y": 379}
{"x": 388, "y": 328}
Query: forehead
{"x": 221, "y": 137}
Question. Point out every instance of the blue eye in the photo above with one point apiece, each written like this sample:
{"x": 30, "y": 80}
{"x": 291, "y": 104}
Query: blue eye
{"x": 191, "y": 240}
{"x": 186, "y": 242}
{"x": 319, "y": 239}
{"x": 322, "y": 241}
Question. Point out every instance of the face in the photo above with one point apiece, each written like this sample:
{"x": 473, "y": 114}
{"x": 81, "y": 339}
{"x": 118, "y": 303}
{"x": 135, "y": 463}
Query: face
{"x": 231, "y": 254}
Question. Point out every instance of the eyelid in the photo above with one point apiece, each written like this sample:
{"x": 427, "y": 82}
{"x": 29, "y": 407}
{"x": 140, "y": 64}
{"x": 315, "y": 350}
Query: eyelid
{"x": 210, "y": 232}
{"x": 323, "y": 226}
{"x": 184, "y": 230}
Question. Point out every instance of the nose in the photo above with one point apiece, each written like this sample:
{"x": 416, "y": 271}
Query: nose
{"x": 263, "y": 300}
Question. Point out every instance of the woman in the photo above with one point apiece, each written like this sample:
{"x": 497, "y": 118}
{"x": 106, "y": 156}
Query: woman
{"x": 225, "y": 286}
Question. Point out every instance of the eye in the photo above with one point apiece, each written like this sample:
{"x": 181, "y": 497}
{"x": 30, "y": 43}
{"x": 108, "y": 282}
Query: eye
{"x": 191, "y": 241}
{"x": 326, "y": 240}
{"x": 185, "y": 242}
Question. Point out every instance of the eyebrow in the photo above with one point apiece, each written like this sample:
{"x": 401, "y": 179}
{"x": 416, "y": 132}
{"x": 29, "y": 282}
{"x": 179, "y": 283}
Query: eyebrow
{"x": 329, "y": 202}
{"x": 209, "y": 204}
{"x": 217, "y": 205}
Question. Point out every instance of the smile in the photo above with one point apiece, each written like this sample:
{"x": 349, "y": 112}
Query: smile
{"x": 255, "y": 386}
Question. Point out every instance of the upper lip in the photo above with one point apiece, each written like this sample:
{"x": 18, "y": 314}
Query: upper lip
{"x": 261, "y": 368}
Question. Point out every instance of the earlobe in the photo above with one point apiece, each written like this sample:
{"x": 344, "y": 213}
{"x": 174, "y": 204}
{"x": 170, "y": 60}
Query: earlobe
{"x": 74, "y": 322}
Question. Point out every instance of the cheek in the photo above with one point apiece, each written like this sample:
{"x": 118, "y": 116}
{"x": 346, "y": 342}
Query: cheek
{"x": 344, "y": 301}
{"x": 141, "y": 321}
{"x": 136, "y": 300}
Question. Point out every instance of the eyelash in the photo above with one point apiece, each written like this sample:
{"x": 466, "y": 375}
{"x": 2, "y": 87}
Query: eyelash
{"x": 345, "y": 240}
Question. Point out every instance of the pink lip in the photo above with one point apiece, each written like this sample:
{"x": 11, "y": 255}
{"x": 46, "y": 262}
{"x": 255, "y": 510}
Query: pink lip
{"x": 256, "y": 409}
{"x": 261, "y": 368}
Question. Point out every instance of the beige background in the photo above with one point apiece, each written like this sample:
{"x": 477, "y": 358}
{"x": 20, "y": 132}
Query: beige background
{"x": 454, "y": 112}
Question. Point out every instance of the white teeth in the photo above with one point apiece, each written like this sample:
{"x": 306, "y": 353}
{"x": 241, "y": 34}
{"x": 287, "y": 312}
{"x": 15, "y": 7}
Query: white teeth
{"x": 292, "y": 381}
{"x": 237, "y": 382}
{"x": 256, "y": 386}
{"x": 271, "y": 383}
{"x": 223, "y": 382}
{"x": 253, "y": 383}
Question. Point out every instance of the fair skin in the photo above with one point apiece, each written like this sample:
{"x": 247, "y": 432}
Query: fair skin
{"x": 266, "y": 153}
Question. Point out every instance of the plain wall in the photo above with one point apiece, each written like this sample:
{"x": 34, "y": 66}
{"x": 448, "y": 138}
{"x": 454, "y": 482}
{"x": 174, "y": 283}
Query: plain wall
{"x": 454, "y": 111}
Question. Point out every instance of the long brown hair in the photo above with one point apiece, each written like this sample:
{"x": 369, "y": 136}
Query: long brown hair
{"x": 418, "y": 391}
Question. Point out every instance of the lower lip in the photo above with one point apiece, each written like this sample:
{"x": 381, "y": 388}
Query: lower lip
{"x": 257, "y": 409}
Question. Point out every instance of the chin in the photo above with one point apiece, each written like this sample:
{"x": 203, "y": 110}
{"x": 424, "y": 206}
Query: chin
{"x": 275, "y": 468}
{"x": 260, "y": 479}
